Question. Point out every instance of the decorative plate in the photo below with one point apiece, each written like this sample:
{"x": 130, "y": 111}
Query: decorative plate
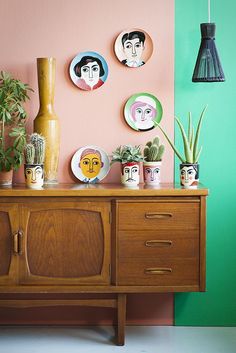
{"x": 143, "y": 111}
{"x": 133, "y": 47}
{"x": 90, "y": 164}
{"x": 88, "y": 70}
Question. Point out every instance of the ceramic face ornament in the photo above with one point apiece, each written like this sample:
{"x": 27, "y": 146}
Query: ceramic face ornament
{"x": 34, "y": 175}
{"x": 130, "y": 173}
{"x": 91, "y": 164}
{"x": 152, "y": 173}
{"x": 189, "y": 175}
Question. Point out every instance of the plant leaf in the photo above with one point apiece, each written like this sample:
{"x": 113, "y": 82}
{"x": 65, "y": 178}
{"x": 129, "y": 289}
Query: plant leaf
{"x": 198, "y": 134}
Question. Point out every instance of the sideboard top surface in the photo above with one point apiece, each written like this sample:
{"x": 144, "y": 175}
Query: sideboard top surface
{"x": 96, "y": 190}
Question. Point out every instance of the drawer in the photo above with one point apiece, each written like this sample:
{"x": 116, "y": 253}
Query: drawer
{"x": 154, "y": 215}
{"x": 150, "y": 272}
{"x": 161, "y": 243}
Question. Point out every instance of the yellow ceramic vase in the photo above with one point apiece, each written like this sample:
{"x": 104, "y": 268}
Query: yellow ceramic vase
{"x": 46, "y": 122}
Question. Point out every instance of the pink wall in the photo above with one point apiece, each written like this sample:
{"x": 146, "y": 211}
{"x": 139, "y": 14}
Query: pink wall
{"x": 59, "y": 28}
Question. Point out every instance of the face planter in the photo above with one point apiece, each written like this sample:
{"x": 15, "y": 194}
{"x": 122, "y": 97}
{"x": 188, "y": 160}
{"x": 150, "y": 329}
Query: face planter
{"x": 151, "y": 173}
{"x": 34, "y": 175}
{"x": 130, "y": 173}
{"x": 189, "y": 175}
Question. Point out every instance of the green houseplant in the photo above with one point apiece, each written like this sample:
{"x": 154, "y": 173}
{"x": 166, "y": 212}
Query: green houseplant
{"x": 13, "y": 94}
{"x": 130, "y": 157}
{"x": 34, "y": 152}
{"x": 189, "y": 167}
{"x": 153, "y": 153}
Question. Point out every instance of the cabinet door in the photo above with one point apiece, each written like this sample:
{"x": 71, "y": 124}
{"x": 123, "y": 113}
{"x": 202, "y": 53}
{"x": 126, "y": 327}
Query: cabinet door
{"x": 65, "y": 243}
{"x": 8, "y": 243}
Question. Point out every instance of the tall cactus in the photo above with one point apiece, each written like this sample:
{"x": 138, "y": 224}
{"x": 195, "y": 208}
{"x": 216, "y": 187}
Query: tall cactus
{"x": 29, "y": 153}
{"x": 35, "y": 150}
{"x": 153, "y": 151}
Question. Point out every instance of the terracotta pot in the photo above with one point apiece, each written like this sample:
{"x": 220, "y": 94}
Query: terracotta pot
{"x": 152, "y": 172}
{"x": 130, "y": 173}
{"x": 34, "y": 175}
{"x": 46, "y": 122}
{"x": 6, "y": 178}
{"x": 189, "y": 175}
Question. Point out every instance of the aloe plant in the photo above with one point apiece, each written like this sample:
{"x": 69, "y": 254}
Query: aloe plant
{"x": 153, "y": 151}
{"x": 190, "y": 140}
{"x": 127, "y": 153}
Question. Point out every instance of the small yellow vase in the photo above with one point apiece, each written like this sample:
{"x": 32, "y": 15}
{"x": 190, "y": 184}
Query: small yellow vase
{"x": 46, "y": 122}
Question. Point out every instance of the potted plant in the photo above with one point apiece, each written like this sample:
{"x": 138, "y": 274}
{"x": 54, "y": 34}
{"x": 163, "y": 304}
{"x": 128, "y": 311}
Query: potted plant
{"x": 13, "y": 93}
{"x": 189, "y": 167}
{"x": 130, "y": 158}
{"x": 153, "y": 153}
{"x": 34, "y": 152}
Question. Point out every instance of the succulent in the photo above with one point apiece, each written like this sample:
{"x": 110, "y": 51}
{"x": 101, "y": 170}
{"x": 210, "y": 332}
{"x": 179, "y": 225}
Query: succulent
{"x": 153, "y": 151}
{"x": 127, "y": 153}
{"x": 190, "y": 140}
{"x": 35, "y": 150}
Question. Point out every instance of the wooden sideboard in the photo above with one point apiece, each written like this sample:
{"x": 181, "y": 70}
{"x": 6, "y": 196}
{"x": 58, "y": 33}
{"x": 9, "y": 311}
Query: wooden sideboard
{"x": 99, "y": 240}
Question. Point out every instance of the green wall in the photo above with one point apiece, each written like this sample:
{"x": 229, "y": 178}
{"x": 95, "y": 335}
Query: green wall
{"x": 216, "y": 307}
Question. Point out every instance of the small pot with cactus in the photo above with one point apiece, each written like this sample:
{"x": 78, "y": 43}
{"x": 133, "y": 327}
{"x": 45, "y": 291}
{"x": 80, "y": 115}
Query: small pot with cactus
{"x": 34, "y": 158}
{"x": 189, "y": 167}
{"x": 153, "y": 153}
{"x": 130, "y": 158}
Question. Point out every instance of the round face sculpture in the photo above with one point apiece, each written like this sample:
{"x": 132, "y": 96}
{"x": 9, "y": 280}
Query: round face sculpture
{"x": 130, "y": 173}
{"x": 90, "y": 163}
{"x": 34, "y": 176}
{"x": 143, "y": 111}
{"x": 88, "y": 71}
{"x": 188, "y": 175}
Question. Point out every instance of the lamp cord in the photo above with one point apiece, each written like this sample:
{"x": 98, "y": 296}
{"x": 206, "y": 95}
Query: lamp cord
{"x": 209, "y": 11}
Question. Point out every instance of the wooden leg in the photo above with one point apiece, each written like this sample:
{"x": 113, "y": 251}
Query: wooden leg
{"x": 121, "y": 318}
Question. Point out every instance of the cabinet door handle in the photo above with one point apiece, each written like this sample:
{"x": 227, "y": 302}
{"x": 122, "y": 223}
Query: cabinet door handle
{"x": 160, "y": 243}
{"x": 20, "y": 235}
{"x": 154, "y": 215}
{"x": 15, "y": 243}
{"x": 157, "y": 271}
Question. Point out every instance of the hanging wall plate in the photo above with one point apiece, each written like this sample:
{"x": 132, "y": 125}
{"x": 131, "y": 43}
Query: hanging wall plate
{"x": 143, "y": 111}
{"x": 90, "y": 164}
{"x": 133, "y": 47}
{"x": 88, "y": 70}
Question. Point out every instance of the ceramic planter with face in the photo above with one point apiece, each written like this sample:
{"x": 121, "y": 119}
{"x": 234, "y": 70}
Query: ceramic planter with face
{"x": 151, "y": 172}
{"x": 189, "y": 175}
{"x": 34, "y": 175}
{"x": 130, "y": 173}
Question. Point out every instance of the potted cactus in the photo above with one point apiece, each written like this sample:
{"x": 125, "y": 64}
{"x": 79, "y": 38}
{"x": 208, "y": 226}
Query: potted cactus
{"x": 153, "y": 153}
{"x": 130, "y": 158}
{"x": 34, "y": 158}
{"x": 189, "y": 167}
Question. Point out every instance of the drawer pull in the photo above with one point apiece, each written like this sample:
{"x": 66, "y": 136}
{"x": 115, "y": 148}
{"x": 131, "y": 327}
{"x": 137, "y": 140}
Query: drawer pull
{"x": 158, "y": 243}
{"x": 157, "y": 271}
{"x": 15, "y": 243}
{"x": 154, "y": 215}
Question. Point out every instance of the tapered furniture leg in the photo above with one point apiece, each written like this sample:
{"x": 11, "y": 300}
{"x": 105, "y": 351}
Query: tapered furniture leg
{"x": 121, "y": 318}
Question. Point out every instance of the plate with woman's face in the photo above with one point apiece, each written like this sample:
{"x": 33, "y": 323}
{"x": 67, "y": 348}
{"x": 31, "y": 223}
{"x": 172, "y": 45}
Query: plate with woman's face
{"x": 133, "y": 47}
{"x": 88, "y": 70}
{"x": 143, "y": 111}
{"x": 90, "y": 164}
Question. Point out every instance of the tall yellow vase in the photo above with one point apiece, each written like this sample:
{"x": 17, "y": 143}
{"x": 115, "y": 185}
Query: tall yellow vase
{"x": 46, "y": 122}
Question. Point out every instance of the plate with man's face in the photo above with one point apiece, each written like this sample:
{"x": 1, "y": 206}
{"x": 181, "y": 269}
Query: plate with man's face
{"x": 90, "y": 164}
{"x": 88, "y": 70}
{"x": 133, "y": 47}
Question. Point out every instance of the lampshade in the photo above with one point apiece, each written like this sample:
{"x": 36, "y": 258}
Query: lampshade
{"x": 208, "y": 67}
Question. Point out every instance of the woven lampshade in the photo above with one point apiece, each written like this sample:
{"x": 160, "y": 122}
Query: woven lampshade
{"x": 208, "y": 67}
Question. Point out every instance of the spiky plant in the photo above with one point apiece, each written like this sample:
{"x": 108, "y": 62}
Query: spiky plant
{"x": 127, "y": 153}
{"x": 153, "y": 151}
{"x": 29, "y": 152}
{"x": 38, "y": 141}
{"x": 190, "y": 140}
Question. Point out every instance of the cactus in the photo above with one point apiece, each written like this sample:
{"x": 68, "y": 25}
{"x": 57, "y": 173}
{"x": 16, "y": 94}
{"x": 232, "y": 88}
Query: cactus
{"x": 35, "y": 150}
{"x": 153, "y": 151}
{"x": 29, "y": 153}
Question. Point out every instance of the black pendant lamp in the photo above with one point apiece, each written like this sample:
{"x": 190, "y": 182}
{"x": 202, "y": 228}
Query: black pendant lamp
{"x": 208, "y": 67}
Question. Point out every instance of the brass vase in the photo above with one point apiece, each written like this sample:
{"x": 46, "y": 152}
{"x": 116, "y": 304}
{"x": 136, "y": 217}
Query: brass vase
{"x": 46, "y": 122}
